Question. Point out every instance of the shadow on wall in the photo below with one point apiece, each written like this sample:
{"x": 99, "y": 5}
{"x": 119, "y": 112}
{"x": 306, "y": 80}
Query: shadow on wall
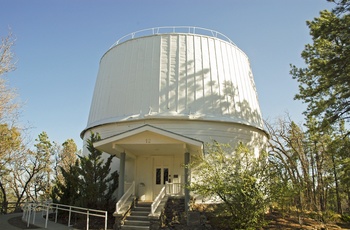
{"x": 190, "y": 92}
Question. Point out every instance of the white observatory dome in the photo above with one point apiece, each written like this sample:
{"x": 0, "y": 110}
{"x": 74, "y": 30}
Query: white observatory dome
{"x": 187, "y": 80}
{"x": 161, "y": 94}
{"x": 177, "y": 76}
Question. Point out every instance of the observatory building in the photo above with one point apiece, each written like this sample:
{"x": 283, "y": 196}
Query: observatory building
{"x": 161, "y": 94}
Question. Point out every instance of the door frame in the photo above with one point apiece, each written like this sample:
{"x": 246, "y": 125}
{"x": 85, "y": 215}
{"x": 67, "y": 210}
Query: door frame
{"x": 162, "y": 163}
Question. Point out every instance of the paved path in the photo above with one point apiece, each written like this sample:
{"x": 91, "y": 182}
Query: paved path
{"x": 39, "y": 221}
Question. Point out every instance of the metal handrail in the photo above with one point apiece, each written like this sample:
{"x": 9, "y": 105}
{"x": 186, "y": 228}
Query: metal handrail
{"x": 125, "y": 197}
{"x": 173, "y": 29}
{"x": 32, "y": 206}
{"x": 158, "y": 199}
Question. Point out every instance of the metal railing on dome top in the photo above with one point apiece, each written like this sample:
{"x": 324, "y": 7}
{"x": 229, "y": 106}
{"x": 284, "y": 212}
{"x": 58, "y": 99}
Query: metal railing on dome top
{"x": 173, "y": 29}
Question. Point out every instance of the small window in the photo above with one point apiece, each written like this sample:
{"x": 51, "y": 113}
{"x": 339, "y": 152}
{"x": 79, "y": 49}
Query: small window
{"x": 166, "y": 175}
{"x": 158, "y": 175}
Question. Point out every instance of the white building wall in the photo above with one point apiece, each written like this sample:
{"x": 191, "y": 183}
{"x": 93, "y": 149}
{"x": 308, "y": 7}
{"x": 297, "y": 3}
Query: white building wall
{"x": 193, "y": 85}
{"x": 182, "y": 75}
{"x": 205, "y": 131}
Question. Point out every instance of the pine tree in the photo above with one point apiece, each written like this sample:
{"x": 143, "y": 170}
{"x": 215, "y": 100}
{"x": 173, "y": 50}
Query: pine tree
{"x": 97, "y": 183}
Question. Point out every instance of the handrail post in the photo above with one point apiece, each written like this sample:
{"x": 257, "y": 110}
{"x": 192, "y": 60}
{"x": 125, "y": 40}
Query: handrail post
{"x": 29, "y": 211}
{"x": 34, "y": 215}
{"x": 47, "y": 215}
{"x": 106, "y": 216}
{"x": 87, "y": 220}
{"x": 56, "y": 213}
{"x": 69, "y": 215}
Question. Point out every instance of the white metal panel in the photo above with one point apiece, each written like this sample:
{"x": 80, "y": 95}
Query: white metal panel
{"x": 206, "y": 131}
{"x": 187, "y": 76}
{"x": 182, "y": 88}
{"x": 215, "y": 89}
{"x": 190, "y": 73}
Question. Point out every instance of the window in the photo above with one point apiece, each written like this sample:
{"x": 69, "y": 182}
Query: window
{"x": 165, "y": 175}
{"x": 162, "y": 176}
{"x": 158, "y": 175}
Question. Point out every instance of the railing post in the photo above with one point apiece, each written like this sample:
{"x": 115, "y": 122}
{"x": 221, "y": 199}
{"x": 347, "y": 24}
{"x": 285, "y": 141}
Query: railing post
{"x": 56, "y": 213}
{"x": 69, "y": 215}
{"x": 34, "y": 215}
{"x": 47, "y": 215}
{"x": 106, "y": 216}
{"x": 166, "y": 186}
{"x": 29, "y": 211}
{"x": 87, "y": 220}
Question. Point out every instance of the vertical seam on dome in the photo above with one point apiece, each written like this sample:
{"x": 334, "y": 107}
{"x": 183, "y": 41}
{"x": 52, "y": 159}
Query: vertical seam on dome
{"x": 177, "y": 74}
{"x": 218, "y": 77}
{"x": 228, "y": 80}
{"x": 186, "y": 75}
{"x": 233, "y": 80}
{"x": 222, "y": 48}
{"x": 210, "y": 74}
{"x": 202, "y": 67}
{"x": 239, "y": 84}
{"x": 194, "y": 72}
{"x": 169, "y": 72}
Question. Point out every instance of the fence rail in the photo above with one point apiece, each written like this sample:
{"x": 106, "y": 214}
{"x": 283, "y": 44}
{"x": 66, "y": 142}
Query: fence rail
{"x": 173, "y": 29}
{"x": 125, "y": 197}
{"x": 31, "y": 208}
{"x": 158, "y": 199}
{"x": 174, "y": 188}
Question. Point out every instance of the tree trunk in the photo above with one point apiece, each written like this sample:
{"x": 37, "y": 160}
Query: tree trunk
{"x": 339, "y": 207}
{"x": 4, "y": 205}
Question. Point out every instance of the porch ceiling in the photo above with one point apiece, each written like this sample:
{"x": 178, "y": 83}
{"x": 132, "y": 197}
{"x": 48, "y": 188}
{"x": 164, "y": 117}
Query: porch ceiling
{"x": 149, "y": 140}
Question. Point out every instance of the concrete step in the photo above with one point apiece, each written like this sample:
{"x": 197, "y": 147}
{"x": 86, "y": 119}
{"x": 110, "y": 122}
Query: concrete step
{"x": 138, "y": 219}
{"x": 129, "y": 227}
{"x": 139, "y": 213}
{"x": 142, "y": 218}
{"x": 144, "y": 204}
{"x": 136, "y": 222}
{"x": 146, "y": 209}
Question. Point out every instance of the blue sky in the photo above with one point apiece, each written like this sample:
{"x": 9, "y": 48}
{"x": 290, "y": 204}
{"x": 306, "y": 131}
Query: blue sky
{"x": 59, "y": 44}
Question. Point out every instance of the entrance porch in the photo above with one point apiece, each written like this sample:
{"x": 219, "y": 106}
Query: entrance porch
{"x": 152, "y": 162}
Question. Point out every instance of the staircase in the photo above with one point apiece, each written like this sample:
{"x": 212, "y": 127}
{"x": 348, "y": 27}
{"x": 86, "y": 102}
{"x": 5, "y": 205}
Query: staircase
{"x": 138, "y": 219}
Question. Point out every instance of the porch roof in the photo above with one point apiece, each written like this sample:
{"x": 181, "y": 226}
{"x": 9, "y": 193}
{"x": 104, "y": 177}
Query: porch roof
{"x": 149, "y": 140}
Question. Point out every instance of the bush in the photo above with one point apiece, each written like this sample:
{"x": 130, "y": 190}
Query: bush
{"x": 346, "y": 218}
{"x": 237, "y": 179}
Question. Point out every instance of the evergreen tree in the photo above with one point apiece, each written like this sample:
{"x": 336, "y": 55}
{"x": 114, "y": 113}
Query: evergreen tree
{"x": 324, "y": 83}
{"x": 66, "y": 191}
{"x": 97, "y": 184}
{"x": 42, "y": 181}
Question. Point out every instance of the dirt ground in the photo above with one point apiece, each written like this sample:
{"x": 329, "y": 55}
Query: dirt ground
{"x": 275, "y": 222}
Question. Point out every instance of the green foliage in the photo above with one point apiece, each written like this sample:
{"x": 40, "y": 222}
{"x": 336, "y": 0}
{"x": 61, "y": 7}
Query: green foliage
{"x": 10, "y": 141}
{"x": 89, "y": 182}
{"x": 345, "y": 218}
{"x": 42, "y": 181}
{"x": 67, "y": 191}
{"x": 324, "y": 83}
{"x": 237, "y": 179}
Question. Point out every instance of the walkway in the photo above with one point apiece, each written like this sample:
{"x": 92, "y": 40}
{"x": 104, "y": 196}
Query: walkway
{"x": 39, "y": 221}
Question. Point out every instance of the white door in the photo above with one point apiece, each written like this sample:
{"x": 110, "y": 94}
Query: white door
{"x": 161, "y": 173}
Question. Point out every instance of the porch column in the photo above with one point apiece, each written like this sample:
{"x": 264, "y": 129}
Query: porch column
{"x": 121, "y": 175}
{"x": 187, "y": 183}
